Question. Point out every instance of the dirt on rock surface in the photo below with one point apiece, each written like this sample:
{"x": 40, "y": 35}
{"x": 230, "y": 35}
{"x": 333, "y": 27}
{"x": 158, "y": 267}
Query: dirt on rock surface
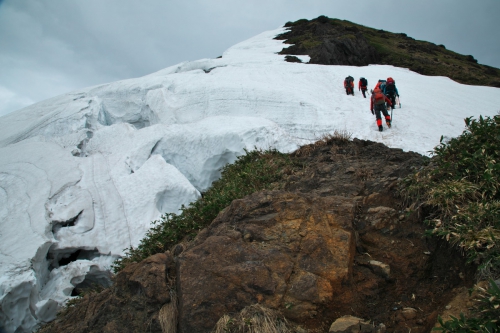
{"x": 275, "y": 248}
{"x": 423, "y": 271}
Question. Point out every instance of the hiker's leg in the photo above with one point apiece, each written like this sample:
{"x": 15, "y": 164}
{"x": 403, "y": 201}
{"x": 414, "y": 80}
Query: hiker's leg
{"x": 378, "y": 115}
{"x": 386, "y": 115}
{"x": 379, "y": 118}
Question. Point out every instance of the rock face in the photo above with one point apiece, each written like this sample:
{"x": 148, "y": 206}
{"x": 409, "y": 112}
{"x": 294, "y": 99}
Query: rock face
{"x": 287, "y": 251}
{"x": 334, "y": 242}
{"x": 331, "y": 45}
{"x": 130, "y": 305}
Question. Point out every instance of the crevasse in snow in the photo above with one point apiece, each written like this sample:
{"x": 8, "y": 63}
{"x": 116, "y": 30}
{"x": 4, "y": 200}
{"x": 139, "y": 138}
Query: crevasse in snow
{"x": 82, "y": 175}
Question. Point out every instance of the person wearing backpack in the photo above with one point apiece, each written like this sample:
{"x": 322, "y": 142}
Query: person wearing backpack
{"x": 363, "y": 86}
{"x": 377, "y": 105}
{"x": 349, "y": 85}
{"x": 380, "y": 84}
{"x": 390, "y": 90}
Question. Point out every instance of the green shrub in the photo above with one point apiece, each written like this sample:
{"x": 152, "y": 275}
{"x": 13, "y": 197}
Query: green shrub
{"x": 462, "y": 186}
{"x": 322, "y": 19}
{"x": 300, "y": 22}
{"x": 349, "y": 36}
{"x": 485, "y": 318}
{"x": 460, "y": 189}
{"x": 310, "y": 44}
{"x": 254, "y": 171}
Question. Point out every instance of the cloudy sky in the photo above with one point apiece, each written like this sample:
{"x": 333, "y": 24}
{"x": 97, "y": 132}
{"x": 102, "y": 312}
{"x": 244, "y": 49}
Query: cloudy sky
{"x": 50, "y": 47}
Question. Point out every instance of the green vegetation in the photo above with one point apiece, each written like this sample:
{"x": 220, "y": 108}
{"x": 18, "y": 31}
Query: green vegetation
{"x": 298, "y": 22}
{"x": 255, "y": 171}
{"x": 306, "y": 41}
{"x": 426, "y": 58}
{"x": 460, "y": 188}
{"x": 252, "y": 172}
{"x": 487, "y": 314}
{"x": 309, "y": 44}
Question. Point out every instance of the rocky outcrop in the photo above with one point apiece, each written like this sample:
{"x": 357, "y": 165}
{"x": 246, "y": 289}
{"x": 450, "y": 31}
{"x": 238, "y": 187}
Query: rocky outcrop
{"x": 132, "y": 304}
{"x": 351, "y": 324}
{"x": 287, "y": 251}
{"x": 330, "y": 45}
{"x": 335, "y": 241}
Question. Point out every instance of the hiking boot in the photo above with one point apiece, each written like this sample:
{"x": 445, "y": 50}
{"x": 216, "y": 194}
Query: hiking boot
{"x": 388, "y": 124}
{"x": 380, "y": 128}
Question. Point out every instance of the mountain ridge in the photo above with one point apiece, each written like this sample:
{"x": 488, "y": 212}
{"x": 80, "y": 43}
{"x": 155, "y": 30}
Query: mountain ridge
{"x": 331, "y": 41}
{"x": 104, "y": 162}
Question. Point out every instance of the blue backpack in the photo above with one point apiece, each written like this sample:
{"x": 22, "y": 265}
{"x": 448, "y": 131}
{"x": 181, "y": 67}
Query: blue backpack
{"x": 382, "y": 85}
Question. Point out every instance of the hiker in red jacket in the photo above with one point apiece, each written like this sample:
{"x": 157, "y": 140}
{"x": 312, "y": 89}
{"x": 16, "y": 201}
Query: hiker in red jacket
{"x": 349, "y": 85}
{"x": 363, "y": 86}
{"x": 377, "y": 105}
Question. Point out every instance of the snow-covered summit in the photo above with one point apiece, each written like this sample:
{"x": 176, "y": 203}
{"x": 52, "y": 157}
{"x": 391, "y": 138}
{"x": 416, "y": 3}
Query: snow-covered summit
{"x": 82, "y": 175}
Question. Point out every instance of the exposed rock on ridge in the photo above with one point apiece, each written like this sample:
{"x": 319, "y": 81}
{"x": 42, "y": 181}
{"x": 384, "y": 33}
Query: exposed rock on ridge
{"x": 340, "y": 46}
{"x": 331, "y": 41}
{"x": 334, "y": 242}
{"x": 288, "y": 251}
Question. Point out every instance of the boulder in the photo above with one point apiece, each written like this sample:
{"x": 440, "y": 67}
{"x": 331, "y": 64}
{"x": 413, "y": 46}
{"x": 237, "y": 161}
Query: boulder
{"x": 351, "y": 324}
{"x": 130, "y": 305}
{"x": 287, "y": 251}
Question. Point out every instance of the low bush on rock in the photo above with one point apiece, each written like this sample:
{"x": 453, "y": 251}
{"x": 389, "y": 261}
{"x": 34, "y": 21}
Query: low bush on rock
{"x": 487, "y": 314}
{"x": 256, "y": 170}
{"x": 460, "y": 188}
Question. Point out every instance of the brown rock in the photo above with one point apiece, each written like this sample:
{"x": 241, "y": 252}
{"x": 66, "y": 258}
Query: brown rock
{"x": 409, "y": 313}
{"x": 382, "y": 217}
{"x": 380, "y": 268}
{"x": 296, "y": 258}
{"x": 350, "y": 324}
{"x": 130, "y": 305}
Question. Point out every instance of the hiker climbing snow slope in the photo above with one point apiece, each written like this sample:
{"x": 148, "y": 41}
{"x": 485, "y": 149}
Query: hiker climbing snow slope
{"x": 391, "y": 91}
{"x": 363, "y": 86}
{"x": 349, "y": 85}
{"x": 377, "y": 105}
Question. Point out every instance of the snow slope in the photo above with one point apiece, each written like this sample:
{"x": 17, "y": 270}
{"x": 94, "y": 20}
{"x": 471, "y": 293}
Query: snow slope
{"x": 82, "y": 175}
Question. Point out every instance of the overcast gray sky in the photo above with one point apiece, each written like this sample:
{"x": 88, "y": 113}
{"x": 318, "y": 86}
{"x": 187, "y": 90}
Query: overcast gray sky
{"x": 50, "y": 47}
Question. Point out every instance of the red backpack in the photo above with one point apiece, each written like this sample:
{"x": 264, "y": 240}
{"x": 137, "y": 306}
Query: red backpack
{"x": 378, "y": 97}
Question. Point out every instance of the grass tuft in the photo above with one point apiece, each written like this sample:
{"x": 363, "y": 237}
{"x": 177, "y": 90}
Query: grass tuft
{"x": 254, "y": 319}
{"x": 168, "y": 315}
{"x": 328, "y": 139}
